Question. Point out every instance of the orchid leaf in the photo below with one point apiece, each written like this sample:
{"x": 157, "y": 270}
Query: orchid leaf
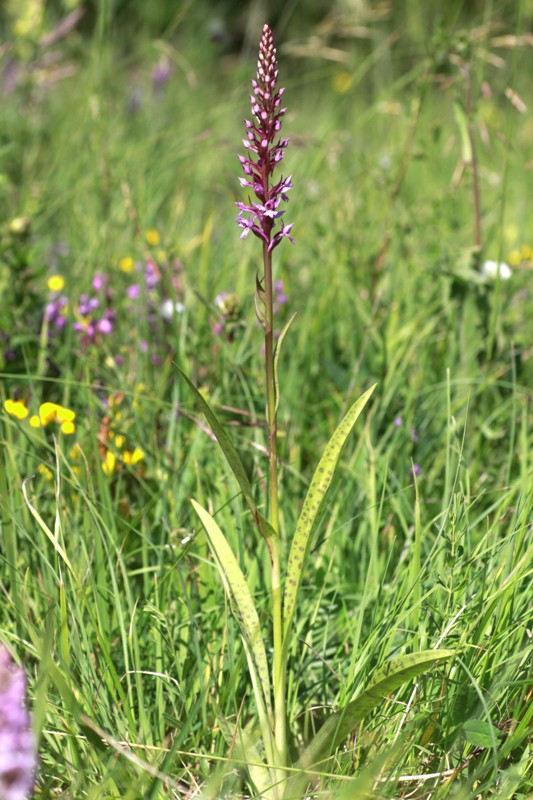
{"x": 386, "y": 680}
{"x": 362, "y": 787}
{"x": 232, "y": 457}
{"x": 245, "y": 753}
{"x": 315, "y": 495}
{"x": 242, "y": 604}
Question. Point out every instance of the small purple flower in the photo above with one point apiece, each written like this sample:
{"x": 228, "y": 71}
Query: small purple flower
{"x": 397, "y": 422}
{"x": 280, "y": 298}
{"x": 414, "y": 469}
{"x": 99, "y": 282}
{"x": 161, "y": 73}
{"x": 17, "y": 748}
{"x": 264, "y": 151}
{"x": 88, "y": 304}
{"x": 152, "y": 275}
{"x": 55, "y": 312}
{"x": 104, "y": 326}
{"x": 134, "y": 291}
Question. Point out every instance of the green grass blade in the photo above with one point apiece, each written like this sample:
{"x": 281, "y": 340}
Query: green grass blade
{"x": 462, "y": 123}
{"x": 386, "y": 680}
{"x": 315, "y": 495}
{"x": 52, "y": 536}
{"x": 232, "y": 457}
{"x": 242, "y": 603}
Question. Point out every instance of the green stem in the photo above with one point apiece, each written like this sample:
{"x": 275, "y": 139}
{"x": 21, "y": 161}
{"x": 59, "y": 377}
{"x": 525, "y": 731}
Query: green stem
{"x": 278, "y": 676}
{"x": 271, "y": 392}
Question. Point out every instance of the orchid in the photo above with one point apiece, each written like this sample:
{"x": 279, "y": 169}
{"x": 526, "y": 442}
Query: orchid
{"x": 265, "y": 151}
{"x": 260, "y": 216}
{"x": 17, "y": 747}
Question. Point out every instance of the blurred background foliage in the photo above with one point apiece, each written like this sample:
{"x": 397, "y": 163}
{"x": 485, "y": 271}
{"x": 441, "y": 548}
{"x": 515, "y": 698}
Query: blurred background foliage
{"x": 231, "y": 25}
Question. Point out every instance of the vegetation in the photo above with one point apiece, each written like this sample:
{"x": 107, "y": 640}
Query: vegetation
{"x": 410, "y": 148}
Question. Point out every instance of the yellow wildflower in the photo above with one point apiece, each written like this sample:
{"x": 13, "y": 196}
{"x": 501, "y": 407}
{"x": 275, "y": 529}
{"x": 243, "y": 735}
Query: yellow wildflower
{"x": 75, "y": 452}
{"x": 56, "y": 283}
{"x": 133, "y": 457}
{"x": 119, "y": 441}
{"x": 152, "y": 237}
{"x": 51, "y": 412}
{"x": 342, "y": 81}
{"x": 34, "y": 421}
{"x": 527, "y": 253}
{"x": 45, "y": 472}
{"x": 67, "y": 428}
{"x": 126, "y": 264}
{"x": 19, "y": 225}
{"x": 108, "y": 464}
{"x": 514, "y": 258}
{"x": 16, "y": 409}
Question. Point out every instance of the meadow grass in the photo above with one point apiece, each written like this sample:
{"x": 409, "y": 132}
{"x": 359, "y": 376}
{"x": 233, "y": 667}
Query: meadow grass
{"x": 110, "y": 595}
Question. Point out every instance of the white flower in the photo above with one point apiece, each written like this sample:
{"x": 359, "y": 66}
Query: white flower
{"x": 169, "y": 308}
{"x": 491, "y": 269}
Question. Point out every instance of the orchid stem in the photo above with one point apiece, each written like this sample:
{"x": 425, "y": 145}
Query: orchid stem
{"x": 278, "y": 676}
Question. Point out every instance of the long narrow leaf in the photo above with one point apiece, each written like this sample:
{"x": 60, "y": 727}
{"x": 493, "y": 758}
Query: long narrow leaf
{"x": 232, "y": 457}
{"x": 386, "y": 680}
{"x": 245, "y": 753}
{"x": 315, "y": 495}
{"x": 242, "y": 603}
{"x": 277, "y": 355}
{"x": 361, "y": 787}
{"x": 53, "y": 536}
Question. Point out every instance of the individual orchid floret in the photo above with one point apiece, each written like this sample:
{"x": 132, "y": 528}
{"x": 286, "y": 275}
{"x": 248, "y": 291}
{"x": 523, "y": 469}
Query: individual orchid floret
{"x": 265, "y": 151}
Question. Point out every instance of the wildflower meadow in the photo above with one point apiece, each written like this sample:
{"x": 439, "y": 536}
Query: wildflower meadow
{"x": 266, "y": 418}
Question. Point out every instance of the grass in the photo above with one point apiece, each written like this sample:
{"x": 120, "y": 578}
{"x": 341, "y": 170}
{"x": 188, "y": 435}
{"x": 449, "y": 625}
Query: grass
{"x": 110, "y": 595}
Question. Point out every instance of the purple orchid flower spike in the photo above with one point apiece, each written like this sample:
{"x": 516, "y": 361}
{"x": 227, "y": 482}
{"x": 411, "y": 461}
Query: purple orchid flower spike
{"x": 265, "y": 151}
{"x": 17, "y": 747}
